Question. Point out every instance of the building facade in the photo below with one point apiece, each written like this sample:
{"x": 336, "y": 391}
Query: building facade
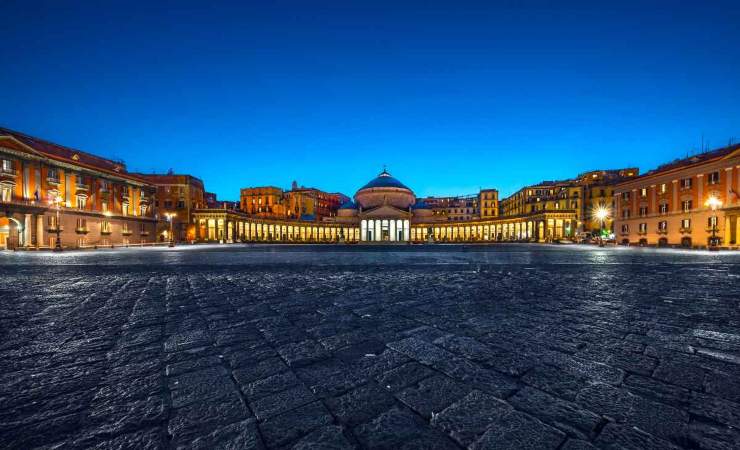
{"x": 304, "y": 203}
{"x": 682, "y": 203}
{"x": 50, "y": 192}
{"x": 383, "y": 210}
{"x": 584, "y": 195}
{"x": 177, "y": 196}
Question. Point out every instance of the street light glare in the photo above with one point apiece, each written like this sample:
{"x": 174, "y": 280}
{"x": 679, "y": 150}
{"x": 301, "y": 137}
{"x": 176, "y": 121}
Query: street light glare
{"x": 713, "y": 202}
{"x": 601, "y": 213}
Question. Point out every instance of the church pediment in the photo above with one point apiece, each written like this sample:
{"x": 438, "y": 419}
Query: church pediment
{"x": 386, "y": 211}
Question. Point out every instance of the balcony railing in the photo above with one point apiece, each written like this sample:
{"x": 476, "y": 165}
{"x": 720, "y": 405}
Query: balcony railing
{"x": 662, "y": 231}
{"x": 82, "y": 230}
{"x": 105, "y": 232}
{"x": 53, "y": 180}
{"x": 126, "y": 232}
{"x": 685, "y": 230}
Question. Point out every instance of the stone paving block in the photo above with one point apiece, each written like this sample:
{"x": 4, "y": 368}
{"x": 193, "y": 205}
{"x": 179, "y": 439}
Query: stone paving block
{"x": 432, "y": 395}
{"x": 236, "y": 436}
{"x": 147, "y": 439}
{"x": 195, "y": 418}
{"x": 186, "y": 340}
{"x": 468, "y": 418}
{"x": 282, "y": 401}
{"x": 714, "y": 436}
{"x": 302, "y": 353}
{"x": 192, "y": 365}
{"x": 330, "y": 437}
{"x": 724, "y": 385}
{"x": 624, "y": 407}
{"x": 329, "y": 379}
{"x": 360, "y": 404}
{"x": 577, "y": 444}
{"x": 519, "y": 431}
{"x": 288, "y": 427}
{"x": 554, "y": 381}
{"x": 270, "y": 385}
{"x": 714, "y": 408}
{"x": 566, "y": 416}
{"x": 403, "y": 376}
{"x": 658, "y": 390}
{"x": 44, "y": 432}
{"x": 375, "y": 364}
{"x": 682, "y": 374}
{"x": 630, "y": 438}
{"x": 421, "y": 351}
{"x": 580, "y": 367}
{"x": 259, "y": 370}
{"x": 204, "y": 384}
{"x": 115, "y": 418}
{"x": 398, "y": 428}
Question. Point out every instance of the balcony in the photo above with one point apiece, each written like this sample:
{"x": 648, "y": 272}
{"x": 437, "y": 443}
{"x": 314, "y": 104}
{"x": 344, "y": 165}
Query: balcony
{"x": 82, "y": 230}
{"x": 126, "y": 232}
{"x": 105, "y": 231}
{"x": 53, "y": 228}
{"x": 683, "y": 230}
{"x": 143, "y": 233}
{"x": 642, "y": 232}
{"x": 82, "y": 187}
{"x": 662, "y": 231}
{"x": 54, "y": 181}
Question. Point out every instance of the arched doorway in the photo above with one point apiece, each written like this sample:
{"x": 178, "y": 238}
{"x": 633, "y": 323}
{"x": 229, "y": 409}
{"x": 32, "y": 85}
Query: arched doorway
{"x": 686, "y": 242}
{"x": 11, "y": 233}
{"x": 4, "y": 232}
{"x": 663, "y": 242}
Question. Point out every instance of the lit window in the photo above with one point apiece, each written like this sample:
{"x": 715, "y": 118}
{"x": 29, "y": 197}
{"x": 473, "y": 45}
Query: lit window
{"x": 686, "y": 205}
{"x": 663, "y": 188}
{"x": 663, "y": 225}
{"x": 81, "y": 202}
{"x": 686, "y": 183}
{"x": 663, "y": 209}
{"x": 643, "y": 228}
{"x": 643, "y": 192}
{"x": 686, "y": 224}
{"x": 713, "y": 178}
{"x": 7, "y": 166}
{"x": 643, "y": 211}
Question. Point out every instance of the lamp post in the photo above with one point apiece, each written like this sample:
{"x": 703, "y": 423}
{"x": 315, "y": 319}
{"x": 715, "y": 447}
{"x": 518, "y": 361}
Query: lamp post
{"x": 714, "y": 203}
{"x": 601, "y": 213}
{"x": 170, "y": 216}
{"x": 58, "y": 244}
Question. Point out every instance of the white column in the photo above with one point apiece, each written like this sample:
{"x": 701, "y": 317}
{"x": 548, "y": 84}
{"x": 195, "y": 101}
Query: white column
{"x": 27, "y": 230}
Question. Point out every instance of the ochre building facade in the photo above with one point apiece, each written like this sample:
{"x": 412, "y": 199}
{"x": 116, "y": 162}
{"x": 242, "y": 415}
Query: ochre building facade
{"x": 683, "y": 203}
{"x": 48, "y": 191}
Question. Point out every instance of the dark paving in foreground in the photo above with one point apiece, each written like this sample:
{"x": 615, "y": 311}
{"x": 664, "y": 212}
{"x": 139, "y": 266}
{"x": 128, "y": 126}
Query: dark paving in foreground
{"x": 499, "y": 347}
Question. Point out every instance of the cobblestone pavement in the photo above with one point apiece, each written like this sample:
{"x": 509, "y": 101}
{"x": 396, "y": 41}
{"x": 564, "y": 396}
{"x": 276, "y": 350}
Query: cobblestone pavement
{"x": 277, "y": 347}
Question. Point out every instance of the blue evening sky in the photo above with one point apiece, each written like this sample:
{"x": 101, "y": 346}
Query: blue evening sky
{"x": 451, "y": 95}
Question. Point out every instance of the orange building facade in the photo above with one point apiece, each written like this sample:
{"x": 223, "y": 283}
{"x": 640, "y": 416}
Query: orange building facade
{"x": 176, "y": 198}
{"x": 301, "y": 203}
{"x": 47, "y": 190}
{"x": 683, "y": 203}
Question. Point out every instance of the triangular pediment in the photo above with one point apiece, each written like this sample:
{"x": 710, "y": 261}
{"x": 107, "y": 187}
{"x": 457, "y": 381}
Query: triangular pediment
{"x": 386, "y": 211}
{"x": 10, "y": 142}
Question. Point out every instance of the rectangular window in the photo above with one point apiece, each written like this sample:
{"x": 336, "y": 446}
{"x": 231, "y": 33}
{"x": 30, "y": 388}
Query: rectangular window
{"x": 105, "y": 227}
{"x": 663, "y": 188}
{"x": 181, "y": 204}
{"x": 643, "y": 211}
{"x": 663, "y": 225}
{"x": 124, "y": 208}
{"x": 104, "y": 206}
{"x": 81, "y": 224}
{"x": 625, "y": 228}
{"x": 713, "y": 178}
{"x": 686, "y": 224}
{"x": 81, "y": 202}
{"x": 53, "y": 174}
{"x": 6, "y": 194}
{"x": 663, "y": 208}
{"x": 686, "y": 205}
{"x": 625, "y": 213}
{"x": 643, "y": 192}
{"x": 712, "y": 222}
{"x": 643, "y": 228}
{"x": 168, "y": 204}
{"x": 686, "y": 183}
{"x": 625, "y": 196}
{"x": 7, "y": 166}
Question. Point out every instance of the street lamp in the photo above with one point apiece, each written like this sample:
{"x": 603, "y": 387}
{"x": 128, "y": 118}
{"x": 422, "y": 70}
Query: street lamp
{"x": 58, "y": 202}
{"x": 714, "y": 203}
{"x": 170, "y": 216}
{"x": 601, "y": 214}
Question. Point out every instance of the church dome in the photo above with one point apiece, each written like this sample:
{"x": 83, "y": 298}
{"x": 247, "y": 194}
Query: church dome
{"x": 384, "y": 189}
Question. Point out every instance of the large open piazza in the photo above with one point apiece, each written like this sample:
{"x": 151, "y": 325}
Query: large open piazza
{"x": 435, "y": 346}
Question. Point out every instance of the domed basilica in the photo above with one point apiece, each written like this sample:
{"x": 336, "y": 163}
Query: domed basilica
{"x": 384, "y": 209}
